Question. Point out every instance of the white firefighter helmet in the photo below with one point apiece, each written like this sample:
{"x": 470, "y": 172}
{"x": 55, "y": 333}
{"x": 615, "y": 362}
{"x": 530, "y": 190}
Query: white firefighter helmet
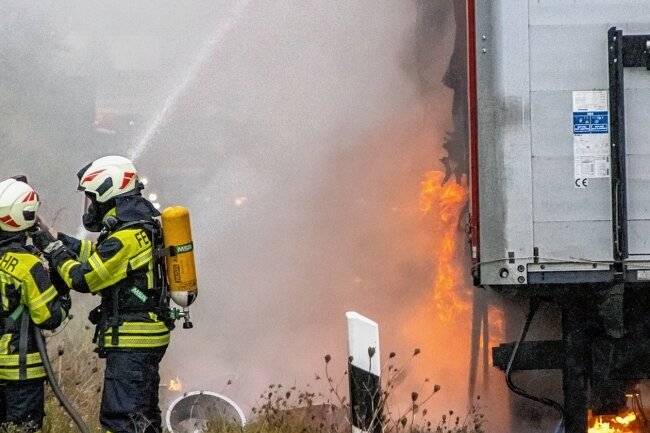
{"x": 18, "y": 205}
{"x": 108, "y": 177}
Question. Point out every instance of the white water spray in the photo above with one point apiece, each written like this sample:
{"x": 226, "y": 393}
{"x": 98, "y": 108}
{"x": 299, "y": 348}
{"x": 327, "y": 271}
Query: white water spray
{"x": 209, "y": 47}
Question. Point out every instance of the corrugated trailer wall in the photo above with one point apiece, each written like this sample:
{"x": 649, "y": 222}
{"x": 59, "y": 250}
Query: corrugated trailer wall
{"x": 559, "y": 94}
{"x": 544, "y": 181}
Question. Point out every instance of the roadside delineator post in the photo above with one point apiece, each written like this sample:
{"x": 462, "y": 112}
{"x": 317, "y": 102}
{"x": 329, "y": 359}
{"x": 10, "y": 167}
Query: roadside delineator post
{"x": 364, "y": 373}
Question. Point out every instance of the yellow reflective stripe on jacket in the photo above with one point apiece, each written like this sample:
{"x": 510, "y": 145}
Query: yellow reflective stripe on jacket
{"x": 7, "y": 280}
{"x": 38, "y": 305}
{"x": 141, "y": 259}
{"x": 103, "y": 270}
{"x": 31, "y": 295}
{"x": 4, "y": 343}
{"x": 10, "y": 366}
{"x": 64, "y": 269}
{"x": 138, "y": 334}
{"x": 12, "y": 360}
{"x": 14, "y": 373}
{"x": 85, "y": 250}
{"x": 142, "y": 328}
{"x": 134, "y": 342}
{"x": 99, "y": 267}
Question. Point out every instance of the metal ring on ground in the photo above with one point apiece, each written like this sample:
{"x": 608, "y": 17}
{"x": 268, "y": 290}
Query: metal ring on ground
{"x": 191, "y": 412}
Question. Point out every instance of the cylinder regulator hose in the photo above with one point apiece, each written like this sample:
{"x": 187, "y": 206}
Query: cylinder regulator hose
{"x": 40, "y": 343}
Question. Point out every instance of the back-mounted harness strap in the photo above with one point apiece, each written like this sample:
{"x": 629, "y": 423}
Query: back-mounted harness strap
{"x": 9, "y": 326}
{"x": 9, "y": 323}
{"x": 25, "y": 324}
{"x": 149, "y": 305}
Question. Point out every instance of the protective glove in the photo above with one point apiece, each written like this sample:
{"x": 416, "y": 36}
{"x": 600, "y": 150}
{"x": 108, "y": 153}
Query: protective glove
{"x": 95, "y": 315}
{"x": 45, "y": 241}
{"x": 71, "y": 243}
{"x": 58, "y": 283}
{"x": 66, "y": 303}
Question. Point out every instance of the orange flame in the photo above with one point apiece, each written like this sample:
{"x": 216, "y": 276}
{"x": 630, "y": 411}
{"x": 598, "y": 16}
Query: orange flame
{"x": 497, "y": 326}
{"x": 614, "y": 424}
{"x": 449, "y": 199}
{"x": 175, "y": 384}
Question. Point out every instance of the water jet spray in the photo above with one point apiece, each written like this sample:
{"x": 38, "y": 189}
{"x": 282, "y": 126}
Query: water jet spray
{"x": 209, "y": 47}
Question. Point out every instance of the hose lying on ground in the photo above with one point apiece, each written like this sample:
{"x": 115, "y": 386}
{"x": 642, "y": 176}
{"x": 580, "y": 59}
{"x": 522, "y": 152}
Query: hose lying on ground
{"x": 40, "y": 343}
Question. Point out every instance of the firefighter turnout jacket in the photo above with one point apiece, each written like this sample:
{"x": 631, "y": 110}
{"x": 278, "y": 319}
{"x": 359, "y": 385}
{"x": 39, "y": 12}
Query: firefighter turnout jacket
{"x": 27, "y": 297}
{"x": 120, "y": 268}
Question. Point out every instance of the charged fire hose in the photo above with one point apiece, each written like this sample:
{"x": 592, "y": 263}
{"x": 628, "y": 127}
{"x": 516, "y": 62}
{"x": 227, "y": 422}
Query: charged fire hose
{"x": 534, "y": 304}
{"x": 40, "y": 343}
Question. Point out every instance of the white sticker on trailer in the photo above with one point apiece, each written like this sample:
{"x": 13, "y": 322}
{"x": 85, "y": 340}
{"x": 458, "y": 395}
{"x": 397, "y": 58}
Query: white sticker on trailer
{"x": 591, "y": 140}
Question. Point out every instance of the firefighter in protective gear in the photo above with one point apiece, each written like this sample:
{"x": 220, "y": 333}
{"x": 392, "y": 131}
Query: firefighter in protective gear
{"x": 131, "y": 332}
{"x": 29, "y": 302}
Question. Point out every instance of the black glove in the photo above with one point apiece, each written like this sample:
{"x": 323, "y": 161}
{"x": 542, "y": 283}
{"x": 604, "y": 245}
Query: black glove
{"x": 71, "y": 243}
{"x": 95, "y": 315}
{"x": 58, "y": 283}
{"x": 66, "y": 303}
{"x": 44, "y": 241}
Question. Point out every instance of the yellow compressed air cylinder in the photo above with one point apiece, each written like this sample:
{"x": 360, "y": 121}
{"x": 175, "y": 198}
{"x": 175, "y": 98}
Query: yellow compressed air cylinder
{"x": 181, "y": 272}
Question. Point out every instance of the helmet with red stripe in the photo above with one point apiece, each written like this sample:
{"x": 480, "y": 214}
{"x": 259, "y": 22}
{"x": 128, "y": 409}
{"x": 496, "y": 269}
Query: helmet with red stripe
{"x": 18, "y": 205}
{"x": 108, "y": 177}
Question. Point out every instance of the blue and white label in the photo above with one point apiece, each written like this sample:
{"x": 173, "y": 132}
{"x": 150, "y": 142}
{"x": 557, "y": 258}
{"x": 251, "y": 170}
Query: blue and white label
{"x": 591, "y": 142}
{"x": 596, "y": 122}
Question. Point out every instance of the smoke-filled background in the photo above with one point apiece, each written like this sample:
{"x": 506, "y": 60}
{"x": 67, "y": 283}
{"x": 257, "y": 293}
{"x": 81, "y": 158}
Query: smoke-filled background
{"x": 298, "y": 133}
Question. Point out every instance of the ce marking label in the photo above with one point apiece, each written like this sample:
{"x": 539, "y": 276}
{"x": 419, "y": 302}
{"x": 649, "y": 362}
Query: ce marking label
{"x": 581, "y": 182}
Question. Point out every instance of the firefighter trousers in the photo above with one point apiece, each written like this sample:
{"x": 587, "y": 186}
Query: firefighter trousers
{"x": 130, "y": 397}
{"x": 22, "y": 403}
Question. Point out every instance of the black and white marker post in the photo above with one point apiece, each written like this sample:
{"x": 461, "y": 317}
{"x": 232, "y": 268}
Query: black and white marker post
{"x": 364, "y": 373}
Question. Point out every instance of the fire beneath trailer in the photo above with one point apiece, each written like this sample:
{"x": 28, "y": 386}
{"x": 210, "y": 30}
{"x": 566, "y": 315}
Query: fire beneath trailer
{"x": 627, "y": 423}
{"x": 631, "y": 420}
{"x": 451, "y": 302}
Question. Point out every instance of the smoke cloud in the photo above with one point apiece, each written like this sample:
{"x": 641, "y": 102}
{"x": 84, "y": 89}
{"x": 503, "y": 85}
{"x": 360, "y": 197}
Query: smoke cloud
{"x": 297, "y": 133}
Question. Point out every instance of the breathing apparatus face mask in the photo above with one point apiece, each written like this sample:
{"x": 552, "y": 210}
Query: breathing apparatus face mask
{"x": 92, "y": 217}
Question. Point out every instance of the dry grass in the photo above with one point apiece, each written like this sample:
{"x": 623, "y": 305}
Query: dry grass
{"x": 288, "y": 409}
{"x": 80, "y": 375}
{"x": 280, "y": 409}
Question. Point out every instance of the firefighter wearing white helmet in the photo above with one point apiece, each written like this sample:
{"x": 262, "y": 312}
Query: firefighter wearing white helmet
{"x": 31, "y": 302}
{"x": 131, "y": 330}
{"x": 103, "y": 180}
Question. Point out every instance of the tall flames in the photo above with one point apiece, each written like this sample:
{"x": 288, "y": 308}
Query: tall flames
{"x": 443, "y": 322}
{"x": 440, "y": 321}
{"x": 446, "y": 203}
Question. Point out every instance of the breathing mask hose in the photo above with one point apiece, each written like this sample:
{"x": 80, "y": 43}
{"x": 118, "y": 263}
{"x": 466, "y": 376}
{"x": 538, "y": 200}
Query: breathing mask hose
{"x": 534, "y": 305}
{"x": 40, "y": 343}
